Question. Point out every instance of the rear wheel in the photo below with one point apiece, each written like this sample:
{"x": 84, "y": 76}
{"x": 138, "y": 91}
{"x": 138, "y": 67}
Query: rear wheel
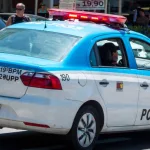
{"x": 86, "y": 128}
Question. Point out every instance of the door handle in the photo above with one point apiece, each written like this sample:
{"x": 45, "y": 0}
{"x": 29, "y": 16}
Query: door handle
{"x": 144, "y": 85}
{"x": 104, "y": 83}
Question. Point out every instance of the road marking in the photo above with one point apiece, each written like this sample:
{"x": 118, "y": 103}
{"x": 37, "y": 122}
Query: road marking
{"x": 9, "y": 130}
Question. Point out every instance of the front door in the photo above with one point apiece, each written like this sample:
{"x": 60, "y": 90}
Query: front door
{"x": 116, "y": 82}
{"x": 142, "y": 57}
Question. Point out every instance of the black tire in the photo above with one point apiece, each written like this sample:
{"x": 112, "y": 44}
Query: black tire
{"x": 75, "y": 130}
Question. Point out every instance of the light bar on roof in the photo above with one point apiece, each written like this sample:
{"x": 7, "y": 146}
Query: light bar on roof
{"x": 88, "y": 16}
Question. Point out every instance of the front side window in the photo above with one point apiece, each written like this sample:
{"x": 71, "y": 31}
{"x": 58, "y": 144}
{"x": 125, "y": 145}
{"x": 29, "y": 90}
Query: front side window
{"x": 39, "y": 44}
{"x": 141, "y": 51}
{"x": 111, "y": 53}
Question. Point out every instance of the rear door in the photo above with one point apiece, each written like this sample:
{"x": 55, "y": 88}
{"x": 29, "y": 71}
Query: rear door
{"x": 117, "y": 85}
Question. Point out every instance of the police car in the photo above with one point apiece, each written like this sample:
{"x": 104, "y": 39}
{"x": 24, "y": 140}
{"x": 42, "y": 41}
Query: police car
{"x": 74, "y": 78}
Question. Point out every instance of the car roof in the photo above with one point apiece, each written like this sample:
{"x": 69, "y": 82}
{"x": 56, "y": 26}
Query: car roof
{"x": 76, "y": 28}
{"x": 80, "y": 29}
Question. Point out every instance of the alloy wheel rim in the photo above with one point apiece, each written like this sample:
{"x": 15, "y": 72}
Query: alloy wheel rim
{"x": 86, "y": 130}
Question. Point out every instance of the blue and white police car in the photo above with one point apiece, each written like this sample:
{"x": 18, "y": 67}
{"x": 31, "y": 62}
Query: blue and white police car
{"x": 74, "y": 78}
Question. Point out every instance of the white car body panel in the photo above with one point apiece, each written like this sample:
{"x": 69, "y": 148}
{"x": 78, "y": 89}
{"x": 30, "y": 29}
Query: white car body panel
{"x": 144, "y": 100}
{"x": 12, "y": 84}
{"x": 49, "y": 107}
{"x": 57, "y": 108}
{"x": 119, "y": 101}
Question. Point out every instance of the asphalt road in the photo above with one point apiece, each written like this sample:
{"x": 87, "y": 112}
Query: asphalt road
{"x": 24, "y": 140}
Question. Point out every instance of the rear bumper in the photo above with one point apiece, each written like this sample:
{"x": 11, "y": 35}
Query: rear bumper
{"x": 56, "y": 114}
{"x": 20, "y": 125}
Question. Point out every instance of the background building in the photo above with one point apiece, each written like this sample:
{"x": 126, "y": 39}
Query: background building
{"x": 31, "y": 5}
{"x": 123, "y": 7}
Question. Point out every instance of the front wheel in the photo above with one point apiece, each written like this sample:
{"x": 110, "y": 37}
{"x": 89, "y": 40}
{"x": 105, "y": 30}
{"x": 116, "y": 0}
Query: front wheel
{"x": 86, "y": 128}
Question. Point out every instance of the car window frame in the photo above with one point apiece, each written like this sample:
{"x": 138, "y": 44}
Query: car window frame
{"x": 96, "y": 53}
{"x": 139, "y": 39}
{"x": 2, "y": 20}
{"x": 124, "y": 54}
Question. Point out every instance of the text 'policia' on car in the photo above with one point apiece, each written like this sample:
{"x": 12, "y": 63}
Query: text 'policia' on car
{"x": 75, "y": 78}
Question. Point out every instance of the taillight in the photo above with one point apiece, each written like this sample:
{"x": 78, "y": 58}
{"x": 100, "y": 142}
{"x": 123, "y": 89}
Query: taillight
{"x": 41, "y": 80}
{"x": 26, "y": 78}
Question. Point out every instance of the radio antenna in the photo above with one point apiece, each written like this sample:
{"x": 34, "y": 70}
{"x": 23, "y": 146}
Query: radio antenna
{"x": 45, "y": 23}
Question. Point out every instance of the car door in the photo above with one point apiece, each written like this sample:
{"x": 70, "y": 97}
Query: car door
{"x": 117, "y": 85}
{"x": 143, "y": 65}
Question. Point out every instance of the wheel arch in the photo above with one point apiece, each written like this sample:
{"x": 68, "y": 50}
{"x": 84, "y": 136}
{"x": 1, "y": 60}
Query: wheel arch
{"x": 98, "y": 107}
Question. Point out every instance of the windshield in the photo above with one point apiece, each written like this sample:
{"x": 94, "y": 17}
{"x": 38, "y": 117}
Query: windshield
{"x": 39, "y": 44}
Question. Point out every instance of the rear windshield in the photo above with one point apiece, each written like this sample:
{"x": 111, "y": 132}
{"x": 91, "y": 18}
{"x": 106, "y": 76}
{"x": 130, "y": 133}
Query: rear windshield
{"x": 39, "y": 44}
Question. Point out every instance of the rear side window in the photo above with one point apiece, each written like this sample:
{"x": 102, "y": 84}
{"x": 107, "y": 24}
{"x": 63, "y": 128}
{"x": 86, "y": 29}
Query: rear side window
{"x": 109, "y": 53}
{"x": 39, "y": 44}
{"x": 141, "y": 50}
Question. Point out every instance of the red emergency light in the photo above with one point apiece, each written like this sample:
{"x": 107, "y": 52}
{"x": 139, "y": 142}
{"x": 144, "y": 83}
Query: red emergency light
{"x": 66, "y": 14}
